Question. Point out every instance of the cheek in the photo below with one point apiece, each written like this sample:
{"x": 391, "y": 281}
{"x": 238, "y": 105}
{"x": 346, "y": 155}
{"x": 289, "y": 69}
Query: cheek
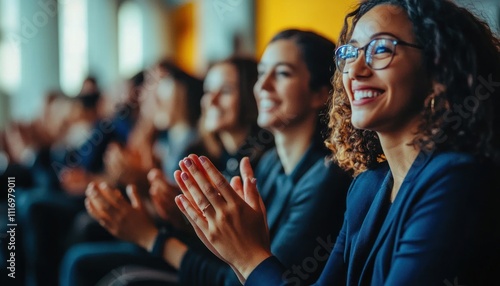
{"x": 347, "y": 86}
{"x": 408, "y": 89}
{"x": 205, "y": 100}
{"x": 298, "y": 100}
{"x": 231, "y": 106}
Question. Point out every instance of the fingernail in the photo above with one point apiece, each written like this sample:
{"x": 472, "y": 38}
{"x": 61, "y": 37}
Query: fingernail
{"x": 203, "y": 159}
{"x": 103, "y": 185}
{"x": 182, "y": 198}
{"x": 184, "y": 176}
{"x": 188, "y": 162}
{"x": 254, "y": 181}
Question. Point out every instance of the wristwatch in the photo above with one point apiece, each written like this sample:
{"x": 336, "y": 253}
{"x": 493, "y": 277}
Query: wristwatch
{"x": 164, "y": 233}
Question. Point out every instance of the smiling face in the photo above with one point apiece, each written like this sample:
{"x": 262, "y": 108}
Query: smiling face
{"x": 170, "y": 103}
{"x": 282, "y": 91}
{"x": 390, "y": 99}
{"x": 221, "y": 98}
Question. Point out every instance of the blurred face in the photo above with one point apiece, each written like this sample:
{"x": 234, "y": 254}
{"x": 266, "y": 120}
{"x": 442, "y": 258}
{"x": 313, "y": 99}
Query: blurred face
{"x": 282, "y": 90}
{"x": 389, "y": 99}
{"x": 169, "y": 103}
{"x": 221, "y": 99}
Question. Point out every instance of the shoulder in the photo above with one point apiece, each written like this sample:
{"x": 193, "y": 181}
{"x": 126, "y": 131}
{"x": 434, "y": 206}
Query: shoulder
{"x": 268, "y": 160}
{"x": 324, "y": 172}
{"x": 446, "y": 161}
{"x": 367, "y": 184}
{"x": 324, "y": 182}
{"x": 452, "y": 167}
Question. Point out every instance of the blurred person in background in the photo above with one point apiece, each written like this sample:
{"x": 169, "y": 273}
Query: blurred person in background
{"x": 229, "y": 133}
{"x": 414, "y": 117}
{"x": 46, "y": 215}
{"x": 291, "y": 93}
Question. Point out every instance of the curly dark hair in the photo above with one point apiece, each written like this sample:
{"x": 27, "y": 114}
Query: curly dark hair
{"x": 462, "y": 55}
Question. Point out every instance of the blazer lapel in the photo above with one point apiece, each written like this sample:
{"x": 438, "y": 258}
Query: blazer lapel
{"x": 283, "y": 189}
{"x": 369, "y": 229}
{"x": 285, "y": 185}
{"x": 396, "y": 208}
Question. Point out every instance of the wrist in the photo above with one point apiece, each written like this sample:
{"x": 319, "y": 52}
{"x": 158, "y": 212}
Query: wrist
{"x": 157, "y": 245}
{"x": 247, "y": 266}
{"x": 174, "y": 252}
{"x": 147, "y": 239}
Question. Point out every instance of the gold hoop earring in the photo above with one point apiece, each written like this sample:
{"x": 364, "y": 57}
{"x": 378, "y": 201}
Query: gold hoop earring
{"x": 432, "y": 104}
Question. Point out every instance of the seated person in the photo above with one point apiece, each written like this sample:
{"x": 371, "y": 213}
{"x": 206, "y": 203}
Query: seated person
{"x": 291, "y": 95}
{"x": 413, "y": 115}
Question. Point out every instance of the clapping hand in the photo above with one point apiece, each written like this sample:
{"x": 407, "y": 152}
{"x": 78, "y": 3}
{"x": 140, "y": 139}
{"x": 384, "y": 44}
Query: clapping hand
{"x": 124, "y": 220}
{"x": 163, "y": 198}
{"x": 229, "y": 218}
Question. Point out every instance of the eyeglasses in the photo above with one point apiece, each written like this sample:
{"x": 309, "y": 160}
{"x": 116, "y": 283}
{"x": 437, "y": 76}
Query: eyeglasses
{"x": 378, "y": 52}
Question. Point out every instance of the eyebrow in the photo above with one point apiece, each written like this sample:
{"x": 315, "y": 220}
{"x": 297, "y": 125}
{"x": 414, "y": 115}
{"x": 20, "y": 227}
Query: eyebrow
{"x": 353, "y": 41}
{"x": 260, "y": 65}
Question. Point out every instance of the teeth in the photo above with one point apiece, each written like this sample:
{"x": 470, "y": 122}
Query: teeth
{"x": 266, "y": 103}
{"x": 212, "y": 112}
{"x": 360, "y": 94}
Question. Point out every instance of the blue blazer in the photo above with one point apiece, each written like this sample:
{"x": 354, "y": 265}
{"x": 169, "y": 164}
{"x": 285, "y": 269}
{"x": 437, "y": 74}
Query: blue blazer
{"x": 301, "y": 235}
{"x": 441, "y": 229}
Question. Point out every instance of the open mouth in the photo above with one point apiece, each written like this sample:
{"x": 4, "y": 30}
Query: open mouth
{"x": 367, "y": 93}
{"x": 266, "y": 104}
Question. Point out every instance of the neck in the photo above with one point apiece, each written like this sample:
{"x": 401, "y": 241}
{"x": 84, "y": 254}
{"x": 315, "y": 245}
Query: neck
{"x": 232, "y": 140}
{"x": 399, "y": 153}
{"x": 292, "y": 142}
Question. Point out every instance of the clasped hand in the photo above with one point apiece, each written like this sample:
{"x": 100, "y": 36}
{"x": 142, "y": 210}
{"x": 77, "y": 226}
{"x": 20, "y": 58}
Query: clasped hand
{"x": 229, "y": 218}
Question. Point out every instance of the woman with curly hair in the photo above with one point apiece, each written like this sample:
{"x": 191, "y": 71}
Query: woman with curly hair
{"x": 415, "y": 91}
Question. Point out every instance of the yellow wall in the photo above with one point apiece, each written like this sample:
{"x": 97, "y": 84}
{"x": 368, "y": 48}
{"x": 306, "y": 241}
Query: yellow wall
{"x": 323, "y": 16}
{"x": 185, "y": 34}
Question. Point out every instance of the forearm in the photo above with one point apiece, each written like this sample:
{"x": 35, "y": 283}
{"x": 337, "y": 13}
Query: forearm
{"x": 147, "y": 238}
{"x": 174, "y": 251}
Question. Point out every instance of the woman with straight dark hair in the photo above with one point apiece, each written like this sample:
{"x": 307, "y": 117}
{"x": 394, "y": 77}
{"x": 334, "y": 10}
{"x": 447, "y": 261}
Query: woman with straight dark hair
{"x": 229, "y": 133}
{"x": 295, "y": 182}
{"x": 413, "y": 116}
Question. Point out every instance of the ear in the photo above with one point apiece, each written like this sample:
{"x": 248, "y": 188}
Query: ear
{"x": 434, "y": 97}
{"x": 320, "y": 97}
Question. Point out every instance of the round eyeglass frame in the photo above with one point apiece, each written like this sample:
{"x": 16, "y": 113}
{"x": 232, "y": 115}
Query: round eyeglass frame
{"x": 395, "y": 42}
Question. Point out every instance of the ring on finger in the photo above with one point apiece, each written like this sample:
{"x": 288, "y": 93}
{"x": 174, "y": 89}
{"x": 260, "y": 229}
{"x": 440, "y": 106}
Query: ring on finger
{"x": 206, "y": 207}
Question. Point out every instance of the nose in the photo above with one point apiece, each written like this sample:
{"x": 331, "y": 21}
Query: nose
{"x": 211, "y": 98}
{"x": 359, "y": 68}
{"x": 264, "y": 83}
